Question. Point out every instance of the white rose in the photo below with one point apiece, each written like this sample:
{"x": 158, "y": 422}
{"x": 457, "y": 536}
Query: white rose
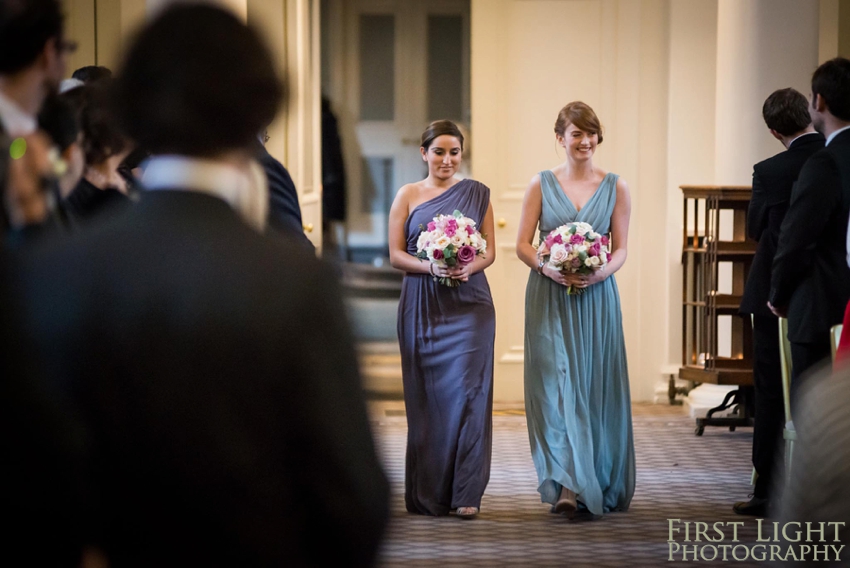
{"x": 442, "y": 242}
{"x": 587, "y": 261}
{"x": 435, "y": 234}
{"x": 423, "y": 240}
{"x": 558, "y": 254}
{"x": 583, "y": 228}
{"x": 457, "y": 240}
{"x": 594, "y": 261}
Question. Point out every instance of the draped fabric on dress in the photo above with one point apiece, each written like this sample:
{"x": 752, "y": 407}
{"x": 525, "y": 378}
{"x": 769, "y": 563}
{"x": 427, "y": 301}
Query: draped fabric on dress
{"x": 576, "y": 379}
{"x": 446, "y": 337}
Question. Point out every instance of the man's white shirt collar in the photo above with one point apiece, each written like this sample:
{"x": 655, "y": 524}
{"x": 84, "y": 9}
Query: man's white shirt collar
{"x": 15, "y": 121}
{"x": 836, "y": 133}
{"x": 800, "y": 136}
{"x": 245, "y": 192}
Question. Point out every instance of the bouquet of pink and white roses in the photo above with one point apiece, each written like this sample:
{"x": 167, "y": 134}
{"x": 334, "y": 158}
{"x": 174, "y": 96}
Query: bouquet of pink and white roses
{"x": 576, "y": 248}
{"x": 449, "y": 241}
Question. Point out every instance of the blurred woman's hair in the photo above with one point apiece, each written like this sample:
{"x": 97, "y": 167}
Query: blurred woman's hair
{"x": 59, "y": 117}
{"x": 581, "y": 116}
{"x": 198, "y": 82}
{"x": 102, "y": 135}
{"x": 441, "y": 128}
{"x": 92, "y": 73}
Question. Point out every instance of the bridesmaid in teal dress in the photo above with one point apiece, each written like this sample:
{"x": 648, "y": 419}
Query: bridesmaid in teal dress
{"x": 576, "y": 378}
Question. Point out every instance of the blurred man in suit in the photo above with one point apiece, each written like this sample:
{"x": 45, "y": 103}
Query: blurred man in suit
{"x": 211, "y": 364}
{"x": 786, "y": 114}
{"x": 284, "y": 209}
{"x": 33, "y": 53}
{"x": 818, "y": 491}
{"x": 810, "y": 279}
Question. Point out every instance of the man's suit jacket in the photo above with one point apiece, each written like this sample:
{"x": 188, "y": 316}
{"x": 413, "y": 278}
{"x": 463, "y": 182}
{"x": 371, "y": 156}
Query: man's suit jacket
{"x": 772, "y": 182}
{"x": 44, "y": 458}
{"x": 810, "y": 274}
{"x": 216, "y": 373}
{"x": 284, "y": 210}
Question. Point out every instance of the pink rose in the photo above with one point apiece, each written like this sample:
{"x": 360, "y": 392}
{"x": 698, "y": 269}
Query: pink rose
{"x": 594, "y": 249}
{"x": 607, "y": 257}
{"x": 576, "y": 239}
{"x": 575, "y": 262}
{"x": 437, "y": 254}
{"x": 603, "y": 240}
{"x": 558, "y": 255}
{"x": 470, "y": 230}
{"x": 543, "y": 249}
{"x": 432, "y": 226}
{"x": 558, "y": 239}
{"x": 465, "y": 254}
{"x": 451, "y": 227}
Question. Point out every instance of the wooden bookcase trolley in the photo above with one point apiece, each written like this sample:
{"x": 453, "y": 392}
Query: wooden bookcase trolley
{"x": 702, "y": 303}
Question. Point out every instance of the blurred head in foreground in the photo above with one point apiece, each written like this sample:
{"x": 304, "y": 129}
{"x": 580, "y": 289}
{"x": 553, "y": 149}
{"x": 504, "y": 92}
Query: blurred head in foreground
{"x": 197, "y": 82}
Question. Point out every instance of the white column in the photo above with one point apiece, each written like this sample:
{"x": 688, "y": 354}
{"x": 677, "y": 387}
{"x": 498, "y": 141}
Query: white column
{"x": 762, "y": 45}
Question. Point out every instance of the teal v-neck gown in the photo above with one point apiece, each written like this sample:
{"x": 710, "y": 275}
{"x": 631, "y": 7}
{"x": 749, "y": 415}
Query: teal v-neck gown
{"x": 576, "y": 379}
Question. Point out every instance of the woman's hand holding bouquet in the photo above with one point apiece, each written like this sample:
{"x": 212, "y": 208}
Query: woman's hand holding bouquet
{"x": 575, "y": 256}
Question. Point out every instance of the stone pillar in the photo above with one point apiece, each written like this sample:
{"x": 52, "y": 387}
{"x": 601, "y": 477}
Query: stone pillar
{"x": 762, "y": 46}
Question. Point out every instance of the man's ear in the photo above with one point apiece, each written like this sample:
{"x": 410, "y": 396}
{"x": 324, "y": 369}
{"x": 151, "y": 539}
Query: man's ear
{"x": 49, "y": 53}
{"x": 818, "y": 103}
{"x": 775, "y": 134}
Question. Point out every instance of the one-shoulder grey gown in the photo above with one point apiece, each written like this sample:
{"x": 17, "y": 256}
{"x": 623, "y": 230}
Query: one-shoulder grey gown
{"x": 446, "y": 337}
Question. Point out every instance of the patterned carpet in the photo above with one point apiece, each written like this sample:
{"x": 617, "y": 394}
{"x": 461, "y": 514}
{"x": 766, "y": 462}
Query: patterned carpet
{"x": 679, "y": 476}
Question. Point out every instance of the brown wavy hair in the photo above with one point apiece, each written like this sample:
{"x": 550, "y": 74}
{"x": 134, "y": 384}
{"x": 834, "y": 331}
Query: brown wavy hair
{"x": 582, "y": 116}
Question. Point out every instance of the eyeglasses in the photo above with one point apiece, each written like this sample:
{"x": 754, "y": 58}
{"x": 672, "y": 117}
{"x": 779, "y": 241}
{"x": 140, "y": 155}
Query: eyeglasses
{"x": 66, "y": 46}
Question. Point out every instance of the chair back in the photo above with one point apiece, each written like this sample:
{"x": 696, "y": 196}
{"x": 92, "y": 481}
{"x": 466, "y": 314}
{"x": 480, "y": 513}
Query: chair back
{"x": 785, "y": 359}
{"x": 835, "y": 338}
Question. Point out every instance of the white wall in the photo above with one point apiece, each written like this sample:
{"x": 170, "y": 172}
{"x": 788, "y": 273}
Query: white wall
{"x": 534, "y": 57}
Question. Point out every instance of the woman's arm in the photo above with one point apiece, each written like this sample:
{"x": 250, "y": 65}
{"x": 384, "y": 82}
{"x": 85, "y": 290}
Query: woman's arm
{"x": 399, "y": 257}
{"x": 532, "y": 205}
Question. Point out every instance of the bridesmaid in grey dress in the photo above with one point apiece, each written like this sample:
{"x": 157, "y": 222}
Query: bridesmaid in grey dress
{"x": 446, "y": 337}
{"x": 576, "y": 379}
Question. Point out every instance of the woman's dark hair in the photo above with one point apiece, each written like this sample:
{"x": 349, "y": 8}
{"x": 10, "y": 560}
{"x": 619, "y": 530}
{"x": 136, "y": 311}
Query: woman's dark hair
{"x": 25, "y": 27}
{"x": 832, "y": 82}
{"x": 440, "y": 128}
{"x": 92, "y": 73}
{"x": 59, "y": 117}
{"x": 582, "y": 116}
{"x": 102, "y": 135}
{"x": 196, "y": 81}
{"x": 786, "y": 111}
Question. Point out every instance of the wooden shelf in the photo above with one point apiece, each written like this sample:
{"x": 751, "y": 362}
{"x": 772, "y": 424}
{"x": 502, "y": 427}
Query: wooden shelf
{"x": 702, "y": 304}
{"x": 698, "y": 374}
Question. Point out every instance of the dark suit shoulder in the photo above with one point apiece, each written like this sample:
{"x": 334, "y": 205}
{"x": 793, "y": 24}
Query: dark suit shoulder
{"x": 792, "y": 158}
{"x": 817, "y": 161}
